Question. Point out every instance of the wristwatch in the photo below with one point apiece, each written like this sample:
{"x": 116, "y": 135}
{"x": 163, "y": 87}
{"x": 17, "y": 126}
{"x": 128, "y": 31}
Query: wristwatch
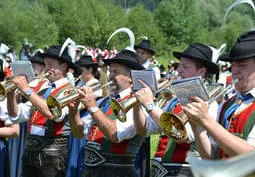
{"x": 93, "y": 109}
{"x": 28, "y": 93}
{"x": 149, "y": 107}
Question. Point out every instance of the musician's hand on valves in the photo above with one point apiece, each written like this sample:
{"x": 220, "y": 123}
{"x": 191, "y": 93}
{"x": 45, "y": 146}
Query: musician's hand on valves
{"x": 21, "y": 83}
{"x": 197, "y": 111}
{"x": 73, "y": 106}
{"x": 144, "y": 95}
{"x": 87, "y": 97}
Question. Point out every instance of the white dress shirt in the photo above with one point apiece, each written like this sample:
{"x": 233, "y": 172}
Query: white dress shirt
{"x": 24, "y": 113}
{"x": 125, "y": 130}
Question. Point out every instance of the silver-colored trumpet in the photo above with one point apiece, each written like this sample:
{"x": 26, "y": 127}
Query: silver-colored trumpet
{"x": 55, "y": 105}
{"x": 120, "y": 109}
{"x": 238, "y": 166}
{"x": 7, "y": 86}
{"x": 174, "y": 124}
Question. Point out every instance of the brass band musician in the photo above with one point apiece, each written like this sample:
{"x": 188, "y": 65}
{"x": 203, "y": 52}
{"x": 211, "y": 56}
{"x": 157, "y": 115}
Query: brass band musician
{"x": 46, "y": 144}
{"x": 112, "y": 144}
{"x": 234, "y": 131}
{"x": 196, "y": 60}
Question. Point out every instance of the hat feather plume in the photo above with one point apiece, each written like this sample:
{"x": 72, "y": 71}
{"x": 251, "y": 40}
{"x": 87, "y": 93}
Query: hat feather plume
{"x": 81, "y": 47}
{"x": 249, "y": 2}
{"x": 37, "y": 51}
{"x": 217, "y": 52}
{"x": 143, "y": 37}
{"x": 70, "y": 45}
{"x": 131, "y": 37}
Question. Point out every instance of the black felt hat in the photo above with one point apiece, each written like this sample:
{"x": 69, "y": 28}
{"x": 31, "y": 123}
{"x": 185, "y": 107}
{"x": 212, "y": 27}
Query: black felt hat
{"x": 145, "y": 44}
{"x": 127, "y": 58}
{"x": 243, "y": 48}
{"x": 86, "y": 60}
{"x": 37, "y": 59}
{"x": 201, "y": 53}
{"x": 54, "y": 52}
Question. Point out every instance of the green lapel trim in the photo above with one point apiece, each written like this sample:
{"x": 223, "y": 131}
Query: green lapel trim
{"x": 249, "y": 125}
{"x": 170, "y": 148}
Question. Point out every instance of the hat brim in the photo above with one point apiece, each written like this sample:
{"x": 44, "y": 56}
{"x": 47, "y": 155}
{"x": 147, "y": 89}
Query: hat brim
{"x": 35, "y": 60}
{"x": 212, "y": 68}
{"x": 152, "y": 52}
{"x": 128, "y": 63}
{"x": 228, "y": 58}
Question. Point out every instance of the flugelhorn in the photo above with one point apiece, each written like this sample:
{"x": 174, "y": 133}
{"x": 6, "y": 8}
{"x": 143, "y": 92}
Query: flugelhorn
{"x": 8, "y": 85}
{"x": 55, "y": 105}
{"x": 121, "y": 108}
{"x": 173, "y": 125}
{"x": 237, "y": 166}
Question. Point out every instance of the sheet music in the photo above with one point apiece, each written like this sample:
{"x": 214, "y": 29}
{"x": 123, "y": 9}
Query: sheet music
{"x": 186, "y": 88}
{"x": 23, "y": 68}
{"x": 147, "y": 76}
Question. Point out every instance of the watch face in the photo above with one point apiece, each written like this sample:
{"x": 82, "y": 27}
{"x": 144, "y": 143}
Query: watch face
{"x": 29, "y": 92}
{"x": 149, "y": 107}
{"x": 94, "y": 109}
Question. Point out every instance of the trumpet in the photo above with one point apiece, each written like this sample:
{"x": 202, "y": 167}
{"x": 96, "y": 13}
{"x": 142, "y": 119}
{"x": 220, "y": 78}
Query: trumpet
{"x": 7, "y": 86}
{"x": 55, "y": 105}
{"x": 121, "y": 108}
{"x": 174, "y": 124}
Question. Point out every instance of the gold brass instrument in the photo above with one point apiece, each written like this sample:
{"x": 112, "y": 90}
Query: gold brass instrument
{"x": 121, "y": 108}
{"x": 238, "y": 166}
{"x": 164, "y": 94}
{"x": 7, "y": 86}
{"x": 55, "y": 105}
{"x": 174, "y": 124}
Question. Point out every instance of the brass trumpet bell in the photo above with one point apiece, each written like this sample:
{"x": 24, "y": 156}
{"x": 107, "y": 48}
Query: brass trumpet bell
{"x": 56, "y": 104}
{"x": 120, "y": 109}
{"x": 6, "y": 87}
{"x": 173, "y": 125}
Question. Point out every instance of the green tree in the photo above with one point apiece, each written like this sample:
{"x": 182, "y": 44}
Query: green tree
{"x": 26, "y": 20}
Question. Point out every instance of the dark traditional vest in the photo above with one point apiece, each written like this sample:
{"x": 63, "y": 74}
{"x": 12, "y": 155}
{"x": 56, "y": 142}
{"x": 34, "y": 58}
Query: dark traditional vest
{"x": 52, "y": 128}
{"x": 240, "y": 124}
{"x": 130, "y": 146}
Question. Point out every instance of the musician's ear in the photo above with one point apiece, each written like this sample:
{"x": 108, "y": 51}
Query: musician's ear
{"x": 130, "y": 81}
{"x": 202, "y": 71}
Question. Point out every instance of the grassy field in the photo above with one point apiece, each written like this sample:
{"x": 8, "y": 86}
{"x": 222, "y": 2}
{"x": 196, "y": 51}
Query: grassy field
{"x": 154, "y": 143}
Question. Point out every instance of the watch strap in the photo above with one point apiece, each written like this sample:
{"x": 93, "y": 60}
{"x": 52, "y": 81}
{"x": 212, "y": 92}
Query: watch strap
{"x": 28, "y": 93}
